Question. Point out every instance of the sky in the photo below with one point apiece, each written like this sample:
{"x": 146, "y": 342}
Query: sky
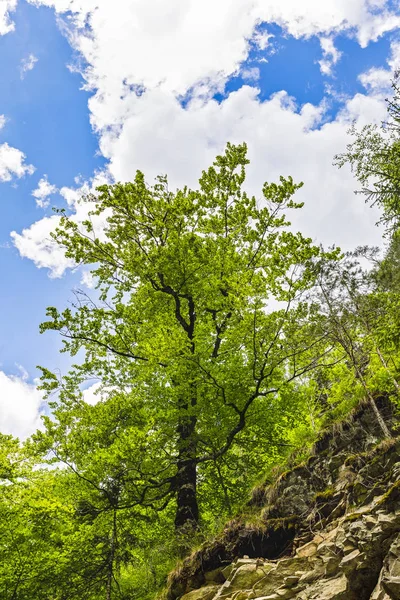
{"x": 92, "y": 90}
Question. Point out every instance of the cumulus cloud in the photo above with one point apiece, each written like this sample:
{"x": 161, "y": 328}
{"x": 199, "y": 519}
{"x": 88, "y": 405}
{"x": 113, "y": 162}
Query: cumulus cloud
{"x": 21, "y": 405}
{"x": 282, "y": 139}
{"x": 6, "y": 7}
{"x": 35, "y": 242}
{"x": 331, "y": 55}
{"x": 27, "y": 64}
{"x": 139, "y": 73}
{"x": 12, "y": 162}
{"x": 93, "y": 394}
{"x": 43, "y": 192}
{"x": 378, "y": 80}
{"x": 175, "y": 44}
{"x": 252, "y": 74}
{"x": 262, "y": 39}
{"x": 88, "y": 280}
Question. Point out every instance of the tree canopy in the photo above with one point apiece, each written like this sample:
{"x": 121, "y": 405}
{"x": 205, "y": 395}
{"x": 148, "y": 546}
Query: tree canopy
{"x": 218, "y": 340}
{"x": 183, "y": 323}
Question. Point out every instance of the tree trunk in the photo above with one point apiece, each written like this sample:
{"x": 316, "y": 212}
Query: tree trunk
{"x": 187, "y": 510}
{"x": 110, "y": 570}
{"x": 372, "y": 402}
{"x": 379, "y": 417}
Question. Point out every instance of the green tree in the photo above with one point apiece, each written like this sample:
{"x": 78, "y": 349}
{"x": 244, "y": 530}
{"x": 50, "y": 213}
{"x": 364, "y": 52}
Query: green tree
{"x": 357, "y": 315}
{"x": 199, "y": 318}
{"x": 374, "y": 158}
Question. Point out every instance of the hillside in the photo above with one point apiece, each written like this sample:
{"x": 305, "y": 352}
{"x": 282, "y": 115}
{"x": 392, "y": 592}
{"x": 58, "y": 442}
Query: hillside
{"x": 326, "y": 529}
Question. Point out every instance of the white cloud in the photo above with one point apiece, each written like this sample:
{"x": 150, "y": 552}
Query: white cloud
{"x": 331, "y": 55}
{"x": 6, "y": 7}
{"x": 92, "y": 395}
{"x": 168, "y": 50}
{"x": 43, "y": 192}
{"x": 262, "y": 39}
{"x": 252, "y": 74}
{"x": 378, "y": 25}
{"x": 21, "y": 405}
{"x": 3, "y": 121}
{"x": 27, "y": 64}
{"x": 378, "y": 80}
{"x": 88, "y": 280}
{"x": 12, "y": 162}
{"x": 175, "y": 44}
{"x": 281, "y": 139}
{"x": 36, "y": 243}
{"x": 70, "y": 195}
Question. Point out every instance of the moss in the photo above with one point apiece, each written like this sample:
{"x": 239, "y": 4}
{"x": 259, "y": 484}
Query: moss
{"x": 324, "y": 453}
{"x": 392, "y": 496}
{"x": 283, "y": 476}
{"x": 258, "y": 495}
{"x": 355, "y": 516}
{"x": 374, "y": 455}
{"x": 252, "y": 533}
{"x": 283, "y": 523}
{"x": 325, "y": 496}
{"x": 353, "y": 459}
{"x": 384, "y": 447}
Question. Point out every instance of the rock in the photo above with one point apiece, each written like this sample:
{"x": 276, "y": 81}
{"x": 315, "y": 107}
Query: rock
{"x": 248, "y": 574}
{"x": 351, "y": 552}
{"x": 329, "y": 589}
{"x": 215, "y": 576}
{"x": 307, "y": 550}
{"x": 309, "y": 576}
{"x": 204, "y": 593}
{"x": 391, "y": 585}
{"x": 370, "y": 521}
{"x": 291, "y": 580}
{"x": 331, "y": 566}
{"x": 348, "y": 563}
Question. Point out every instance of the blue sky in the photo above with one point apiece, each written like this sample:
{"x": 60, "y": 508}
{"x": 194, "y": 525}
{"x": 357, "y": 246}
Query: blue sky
{"x": 94, "y": 90}
{"x": 48, "y": 120}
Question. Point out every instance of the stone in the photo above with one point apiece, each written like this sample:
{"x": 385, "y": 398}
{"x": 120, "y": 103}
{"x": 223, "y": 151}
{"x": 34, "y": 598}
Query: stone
{"x": 307, "y": 550}
{"x": 391, "y": 585}
{"x": 291, "y": 580}
{"x": 386, "y": 520}
{"x": 204, "y": 593}
{"x": 215, "y": 576}
{"x": 349, "y": 562}
{"x": 331, "y": 566}
{"x": 227, "y": 571}
{"x": 248, "y": 574}
{"x": 370, "y": 521}
{"x": 351, "y": 553}
{"x": 329, "y": 589}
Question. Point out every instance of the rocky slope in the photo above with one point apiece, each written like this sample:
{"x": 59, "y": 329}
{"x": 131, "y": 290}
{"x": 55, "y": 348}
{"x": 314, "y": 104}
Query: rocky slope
{"x": 327, "y": 529}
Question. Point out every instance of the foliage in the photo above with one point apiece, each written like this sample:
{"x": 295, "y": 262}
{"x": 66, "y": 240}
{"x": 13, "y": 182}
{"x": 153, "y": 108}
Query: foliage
{"x": 220, "y": 342}
{"x": 183, "y": 328}
{"x": 374, "y": 158}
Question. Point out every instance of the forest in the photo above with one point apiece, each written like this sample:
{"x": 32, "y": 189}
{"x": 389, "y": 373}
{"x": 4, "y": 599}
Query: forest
{"x": 221, "y": 341}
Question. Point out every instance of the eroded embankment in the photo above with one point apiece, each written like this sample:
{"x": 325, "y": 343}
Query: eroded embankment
{"x": 326, "y": 529}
